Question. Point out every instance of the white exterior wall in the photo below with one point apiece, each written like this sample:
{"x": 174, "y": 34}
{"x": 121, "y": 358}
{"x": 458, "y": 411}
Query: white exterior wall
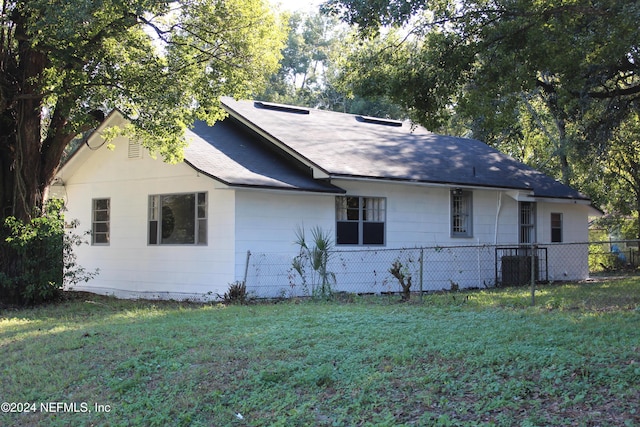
{"x": 575, "y": 222}
{"x": 266, "y": 226}
{"x": 419, "y": 215}
{"x": 265, "y": 222}
{"x": 566, "y": 261}
{"x": 416, "y": 216}
{"x": 129, "y": 267}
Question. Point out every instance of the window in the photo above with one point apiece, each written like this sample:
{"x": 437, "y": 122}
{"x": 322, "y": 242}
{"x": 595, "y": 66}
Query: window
{"x": 360, "y": 220}
{"x": 461, "y": 213}
{"x": 100, "y": 221}
{"x": 178, "y": 219}
{"x": 556, "y": 227}
{"x": 527, "y": 222}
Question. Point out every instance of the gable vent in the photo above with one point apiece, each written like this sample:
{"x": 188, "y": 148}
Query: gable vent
{"x": 135, "y": 150}
{"x": 282, "y": 108}
{"x": 376, "y": 121}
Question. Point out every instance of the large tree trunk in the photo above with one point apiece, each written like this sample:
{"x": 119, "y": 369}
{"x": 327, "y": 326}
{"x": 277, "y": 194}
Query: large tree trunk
{"x": 21, "y": 125}
{"x": 21, "y": 181}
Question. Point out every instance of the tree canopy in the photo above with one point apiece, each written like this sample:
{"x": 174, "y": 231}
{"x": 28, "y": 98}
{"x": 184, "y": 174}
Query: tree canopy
{"x": 312, "y": 61}
{"x": 489, "y": 61}
{"x": 555, "y": 83}
{"x": 163, "y": 64}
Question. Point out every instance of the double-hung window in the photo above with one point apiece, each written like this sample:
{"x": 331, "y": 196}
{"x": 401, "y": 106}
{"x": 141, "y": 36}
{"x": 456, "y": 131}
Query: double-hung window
{"x": 178, "y": 219}
{"x": 100, "y": 218}
{"x": 556, "y": 227}
{"x": 527, "y": 222}
{"x": 461, "y": 213}
{"x": 360, "y": 220}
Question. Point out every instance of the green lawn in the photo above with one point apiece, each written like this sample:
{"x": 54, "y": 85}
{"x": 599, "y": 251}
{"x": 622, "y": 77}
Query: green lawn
{"x": 481, "y": 358}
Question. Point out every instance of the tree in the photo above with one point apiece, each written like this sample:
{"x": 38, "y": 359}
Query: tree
{"x": 497, "y": 64}
{"x": 312, "y": 60}
{"x": 64, "y": 64}
{"x": 620, "y": 174}
{"x": 163, "y": 63}
{"x": 306, "y": 56}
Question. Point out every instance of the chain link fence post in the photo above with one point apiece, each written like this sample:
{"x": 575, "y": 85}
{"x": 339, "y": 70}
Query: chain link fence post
{"x": 246, "y": 268}
{"x": 534, "y": 250}
{"x": 421, "y": 272}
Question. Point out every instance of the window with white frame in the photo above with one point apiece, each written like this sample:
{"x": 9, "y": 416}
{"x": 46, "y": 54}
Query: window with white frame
{"x": 100, "y": 219}
{"x": 178, "y": 219}
{"x": 461, "y": 213}
{"x": 360, "y": 220}
{"x": 556, "y": 227}
{"x": 527, "y": 222}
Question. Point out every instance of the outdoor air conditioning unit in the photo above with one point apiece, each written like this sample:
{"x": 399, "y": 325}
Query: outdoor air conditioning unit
{"x": 516, "y": 270}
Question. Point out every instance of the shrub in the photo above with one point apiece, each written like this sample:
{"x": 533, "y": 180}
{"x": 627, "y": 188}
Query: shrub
{"x": 401, "y": 272}
{"x": 237, "y": 294}
{"x": 37, "y": 258}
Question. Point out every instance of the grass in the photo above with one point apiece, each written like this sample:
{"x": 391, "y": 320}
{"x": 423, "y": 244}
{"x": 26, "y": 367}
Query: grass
{"x": 481, "y": 358}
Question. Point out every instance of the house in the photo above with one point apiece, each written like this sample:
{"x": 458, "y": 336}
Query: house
{"x": 183, "y": 230}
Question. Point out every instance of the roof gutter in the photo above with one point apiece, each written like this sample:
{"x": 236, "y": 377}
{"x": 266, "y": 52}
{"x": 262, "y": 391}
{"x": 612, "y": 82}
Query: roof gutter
{"x": 423, "y": 183}
{"x": 518, "y": 194}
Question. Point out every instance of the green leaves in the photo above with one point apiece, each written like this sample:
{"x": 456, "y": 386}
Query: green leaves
{"x": 37, "y": 258}
{"x": 315, "y": 255}
{"x": 163, "y": 64}
{"x": 549, "y": 77}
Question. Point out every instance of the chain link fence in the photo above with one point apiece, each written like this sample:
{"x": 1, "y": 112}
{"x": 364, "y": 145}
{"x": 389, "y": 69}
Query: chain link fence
{"x": 435, "y": 268}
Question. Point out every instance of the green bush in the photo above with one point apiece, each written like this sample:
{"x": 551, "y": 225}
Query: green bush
{"x": 237, "y": 294}
{"x": 37, "y": 258}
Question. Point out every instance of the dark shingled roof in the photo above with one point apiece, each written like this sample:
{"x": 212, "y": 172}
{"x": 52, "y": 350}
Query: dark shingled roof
{"x": 229, "y": 153}
{"x": 345, "y": 145}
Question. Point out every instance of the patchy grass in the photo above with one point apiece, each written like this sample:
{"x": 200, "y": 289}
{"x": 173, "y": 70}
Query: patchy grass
{"x": 470, "y": 358}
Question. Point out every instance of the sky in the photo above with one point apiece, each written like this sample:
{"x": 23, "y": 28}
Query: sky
{"x": 298, "y": 5}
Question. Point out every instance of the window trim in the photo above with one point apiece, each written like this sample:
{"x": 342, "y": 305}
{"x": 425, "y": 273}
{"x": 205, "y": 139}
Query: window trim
{"x": 558, "y": 228}
{"x": 154, "y": 214}
{"x": 361, "y": 221}
{"x": 532, "y": 227}
{"x": 94, "y": 222}
{"x": 467, "y": 199}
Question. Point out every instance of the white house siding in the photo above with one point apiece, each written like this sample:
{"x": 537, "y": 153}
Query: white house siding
{"x": 416, "y": 216}
{"x": 266, "y": 224}
{"x": 566, "y": 261}
{"x": 129, "y": 267}
{"x": 420, "y": 215}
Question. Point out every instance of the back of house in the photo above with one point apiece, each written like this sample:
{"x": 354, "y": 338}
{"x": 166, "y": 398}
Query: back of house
{"x": 230, "y": 211}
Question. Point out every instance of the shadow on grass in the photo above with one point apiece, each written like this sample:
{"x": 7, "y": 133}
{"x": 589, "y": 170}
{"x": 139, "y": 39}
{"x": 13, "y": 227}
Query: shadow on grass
{"x": 462, "y": 358}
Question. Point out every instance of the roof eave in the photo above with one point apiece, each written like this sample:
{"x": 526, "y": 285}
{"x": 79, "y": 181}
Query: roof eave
{"x": 517, "y": 193}
{"x": 114, "y": 118}
{"x": 229, "y": 184}
{"x": 425, "y": 183}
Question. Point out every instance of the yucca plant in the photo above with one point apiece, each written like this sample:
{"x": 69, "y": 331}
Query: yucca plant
{"x": 317, "y": 257}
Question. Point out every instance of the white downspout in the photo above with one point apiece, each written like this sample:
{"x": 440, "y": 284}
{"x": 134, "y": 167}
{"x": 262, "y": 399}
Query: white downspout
{"x": 495, "y": 241}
